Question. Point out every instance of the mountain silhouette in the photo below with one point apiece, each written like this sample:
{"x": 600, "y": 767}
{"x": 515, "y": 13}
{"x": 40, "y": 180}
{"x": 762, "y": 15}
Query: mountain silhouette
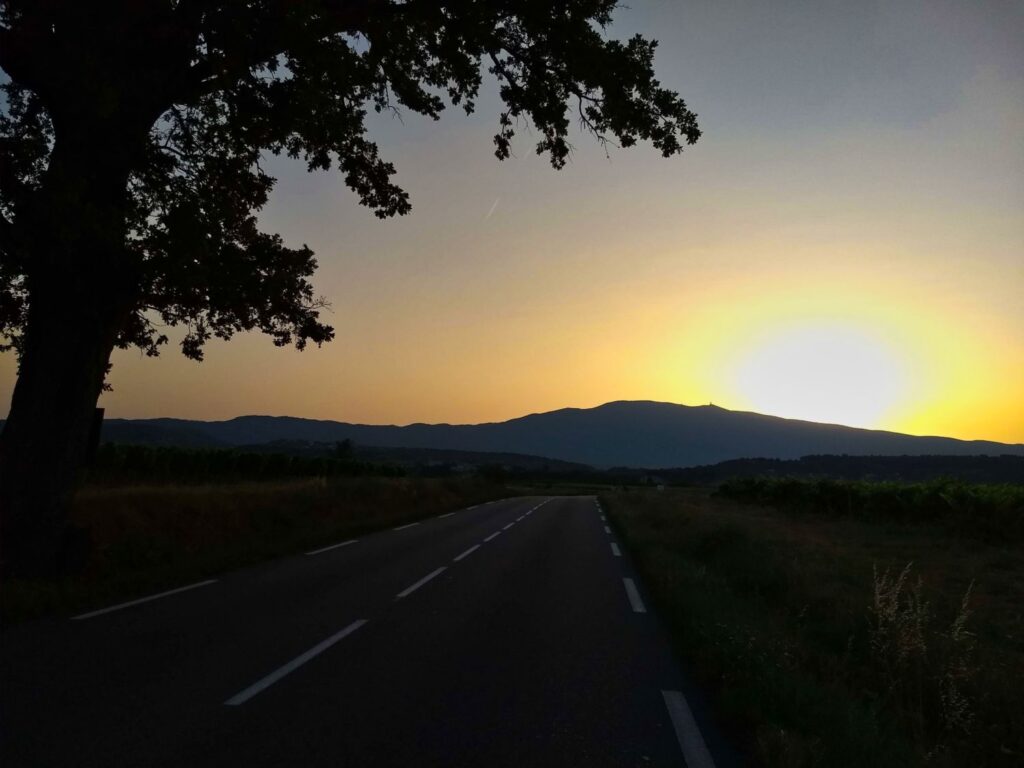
{"x": 623, "y": 433}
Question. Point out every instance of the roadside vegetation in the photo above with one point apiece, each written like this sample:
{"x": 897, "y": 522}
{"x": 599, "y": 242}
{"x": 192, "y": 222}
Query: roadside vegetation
{"x": 845, "y": 624}
{"x": 142, "y": 537}
{"x": 989, "y": 512}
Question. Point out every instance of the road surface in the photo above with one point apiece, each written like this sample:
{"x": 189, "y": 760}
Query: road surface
{"x": 514, "y": 633}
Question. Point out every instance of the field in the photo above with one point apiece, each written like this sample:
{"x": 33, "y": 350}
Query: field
{"x": 845, "y": 624}
{"x": 148, "y": 537}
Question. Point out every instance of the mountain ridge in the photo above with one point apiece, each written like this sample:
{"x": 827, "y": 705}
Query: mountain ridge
{"x": 628, "y": 433}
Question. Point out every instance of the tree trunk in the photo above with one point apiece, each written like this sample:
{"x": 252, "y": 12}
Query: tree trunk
{"x": 46, "y": 435}
{"x": 83, "y": 288}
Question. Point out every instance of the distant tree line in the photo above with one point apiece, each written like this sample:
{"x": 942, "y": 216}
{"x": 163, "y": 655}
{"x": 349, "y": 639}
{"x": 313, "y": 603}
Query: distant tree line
{"x": 116, "y": 462}
{"x": 903, "y": 469}
{"x": 129, "y": 463}
{"x": 144, "y": 463}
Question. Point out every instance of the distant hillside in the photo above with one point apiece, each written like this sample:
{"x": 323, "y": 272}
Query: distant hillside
{"x": 185, "y": 434}
{"x": 624, "y": 433}
{"x": 420, "y": 457}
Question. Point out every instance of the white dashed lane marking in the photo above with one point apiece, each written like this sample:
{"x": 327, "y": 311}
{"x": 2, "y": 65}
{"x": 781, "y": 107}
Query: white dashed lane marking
{"x": 412, "y": 588}
{"x": 468, "y": 552}
{"x": 291, "y": 666}
{"x": 695, "y": 751}
{"x": 333, "y": 546}
{"x": 141, "y": 600}
{"x": 634, "y": 596}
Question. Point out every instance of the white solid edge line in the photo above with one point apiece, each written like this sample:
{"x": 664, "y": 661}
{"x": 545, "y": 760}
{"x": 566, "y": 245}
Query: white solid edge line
{"x": 634, "y": 596}
{"x": 494, "y": 535}
{"x": 615, "y": 550}
{"x": 403, "y": 527}
{"x": 695, "y": 751}
{"x": 410, "y": 589}
{"x": 333, "y": 546}
{"x": 467, "y": 553}
{"x": 130, "y": 603}
{"x": 447, "y": 514}
{"x": 506, "y": 527}
{"x": 520, "y": 518}
{"x": 291, "y": 666}
{"x": 607, "y": 529}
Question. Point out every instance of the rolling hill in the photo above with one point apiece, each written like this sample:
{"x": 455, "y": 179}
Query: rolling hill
{"x": 624, "y": 433}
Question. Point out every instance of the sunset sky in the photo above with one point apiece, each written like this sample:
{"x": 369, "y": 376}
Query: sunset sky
{"x": 844, "y": 244}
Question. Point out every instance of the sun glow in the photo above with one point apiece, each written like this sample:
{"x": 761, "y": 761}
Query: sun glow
{"x": 829, "y": 372}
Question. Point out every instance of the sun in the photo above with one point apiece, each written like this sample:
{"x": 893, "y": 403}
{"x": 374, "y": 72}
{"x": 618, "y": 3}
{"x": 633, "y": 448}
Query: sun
{"x": 829, "y": 372}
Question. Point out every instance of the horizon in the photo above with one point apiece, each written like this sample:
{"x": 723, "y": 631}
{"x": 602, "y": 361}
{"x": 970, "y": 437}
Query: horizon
{"x": 540, "y": 413}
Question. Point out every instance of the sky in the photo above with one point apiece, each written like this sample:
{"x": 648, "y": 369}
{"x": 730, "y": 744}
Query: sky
{"x": 844, "y": 244}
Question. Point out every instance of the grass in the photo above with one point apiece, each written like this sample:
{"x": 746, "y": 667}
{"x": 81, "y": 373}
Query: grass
{"x": 839, "y": 639}
{"x": 151, "y": 537}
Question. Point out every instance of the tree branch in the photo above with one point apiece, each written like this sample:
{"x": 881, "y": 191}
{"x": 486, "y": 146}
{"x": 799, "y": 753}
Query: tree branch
{"x": 20, "y": 57}
{"x": 276, "y": 34}
{"x": 6, "y": 235}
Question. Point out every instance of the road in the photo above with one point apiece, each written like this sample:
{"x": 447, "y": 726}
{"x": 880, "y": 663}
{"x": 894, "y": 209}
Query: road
{"x": 510, "y": 634}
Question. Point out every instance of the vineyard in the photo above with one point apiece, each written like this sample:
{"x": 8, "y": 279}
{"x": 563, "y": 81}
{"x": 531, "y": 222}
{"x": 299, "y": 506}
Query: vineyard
{"x": 991, "y": 512}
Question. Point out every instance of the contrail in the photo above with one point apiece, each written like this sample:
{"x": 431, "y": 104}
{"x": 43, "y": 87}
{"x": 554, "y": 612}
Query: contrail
{"x": 493, "y": 208}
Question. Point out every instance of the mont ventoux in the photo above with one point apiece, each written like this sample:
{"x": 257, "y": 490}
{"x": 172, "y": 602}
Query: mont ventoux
{"x": 623, "y": 433}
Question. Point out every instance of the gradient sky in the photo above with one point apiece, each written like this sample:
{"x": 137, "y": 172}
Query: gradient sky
{"x": 845, "y": 243}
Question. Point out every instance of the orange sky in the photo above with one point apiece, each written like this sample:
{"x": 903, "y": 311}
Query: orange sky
{"x": 845, "y": 243}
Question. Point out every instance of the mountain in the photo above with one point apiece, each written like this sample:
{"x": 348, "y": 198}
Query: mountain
{"x": 624, "y": 433}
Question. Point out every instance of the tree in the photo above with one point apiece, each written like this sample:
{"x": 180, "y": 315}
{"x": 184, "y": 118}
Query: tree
{"x": 343, "y": 449}
{"x": 131, "y": 138}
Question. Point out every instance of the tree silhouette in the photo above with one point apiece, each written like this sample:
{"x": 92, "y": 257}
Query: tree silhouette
{"x": 131, "y": 135}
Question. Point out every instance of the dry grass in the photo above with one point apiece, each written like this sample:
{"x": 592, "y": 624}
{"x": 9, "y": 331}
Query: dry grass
{"x": 146, "y": 538}
{"x": 825, "y": 645}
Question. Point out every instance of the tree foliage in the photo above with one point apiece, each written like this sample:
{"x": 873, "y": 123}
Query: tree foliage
{"x": 199, "y": 92}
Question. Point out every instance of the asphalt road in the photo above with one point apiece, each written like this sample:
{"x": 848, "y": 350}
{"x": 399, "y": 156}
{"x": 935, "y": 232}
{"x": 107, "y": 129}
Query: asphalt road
{"x": 511, "y": 634}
